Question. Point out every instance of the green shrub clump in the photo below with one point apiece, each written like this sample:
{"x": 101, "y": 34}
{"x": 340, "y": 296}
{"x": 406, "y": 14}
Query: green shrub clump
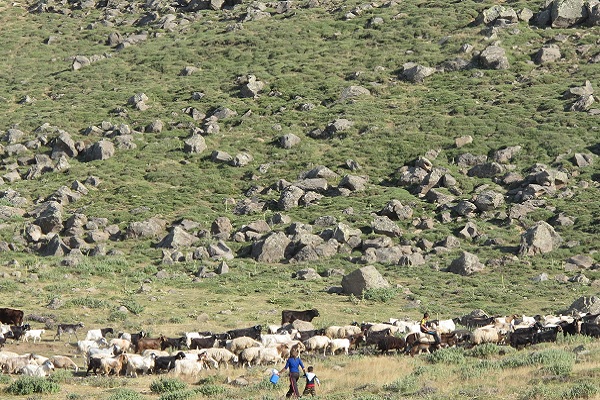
{"x": 380, "y": 295}
{"x": 165, "y": 385}
{"x": 125, "y": 394}
{"x": 179, "y": 395}
{"x": 447, "y": 356}
{"x": 211, "y": 390}
{"x": 583, "y": 390}
{"x": 29, "y": 384}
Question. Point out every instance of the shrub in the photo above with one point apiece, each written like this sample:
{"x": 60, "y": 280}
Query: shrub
{"x": 583, "y": 390}
{"x": 133, "y": 306}
{"x": 405, "y": 385}
{"x": 164, "y": 385}
{"x": 447, "y": 356}
{"x": 211, "y": 390}
{"x": 485, "y": 350}
{"x": 380, "y": 295}
{"x": 61, "y": 376}
{"x": 125, "y": 394}
{"x": 178, "y": 395}
{"x": 29, "y": 384}
{"x": 4, "y": 379}
{"x": 539, "y": 392}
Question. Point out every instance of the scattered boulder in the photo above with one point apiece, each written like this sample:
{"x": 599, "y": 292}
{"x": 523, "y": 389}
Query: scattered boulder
{"x": 289, "y": 140}
{"x": 466, "y": 264}
{"x": 494, "y": 57}
{"x": 352, "y": 92}
{"x": 194, "y": 144}
{"x": 416, "y": 73}
{"x": 362, "y": 279}
{"x": 145, "y": 229}
{"x": 539, "y": 239}
{"x": 547, "y": 54}
{"x": 275, "y": 248}
{"x": 384, "y": 226}
{"x": 567, "y": 13}
{"x": 177, "y": 238}
{"x": 585, "y": 305}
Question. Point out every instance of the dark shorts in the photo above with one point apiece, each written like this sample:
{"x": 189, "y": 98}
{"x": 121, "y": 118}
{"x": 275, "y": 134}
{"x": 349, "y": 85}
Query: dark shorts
{"x": 309, "y": 390}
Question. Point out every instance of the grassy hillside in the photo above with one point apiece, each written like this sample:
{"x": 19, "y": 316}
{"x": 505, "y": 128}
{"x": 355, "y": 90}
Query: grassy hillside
{"x": 305, "y": 56}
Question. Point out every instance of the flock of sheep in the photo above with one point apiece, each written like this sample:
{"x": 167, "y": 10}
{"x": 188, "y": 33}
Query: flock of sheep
{"x": 131, "y": 354}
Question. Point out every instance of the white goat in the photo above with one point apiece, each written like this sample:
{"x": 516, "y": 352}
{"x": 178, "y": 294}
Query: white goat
{"x": 38, "y": 370}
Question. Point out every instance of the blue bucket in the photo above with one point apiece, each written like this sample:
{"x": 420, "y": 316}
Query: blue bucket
{"x": 274, "y": 379}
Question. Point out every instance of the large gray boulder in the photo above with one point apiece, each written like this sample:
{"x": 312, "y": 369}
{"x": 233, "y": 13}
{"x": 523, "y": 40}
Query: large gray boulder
{"x": 416, "y": 73}
{"x": 585, "y": 305}
{"x": 539, "y": 239}
{"x": 63, "y": 145}
{"x": 466, "y": 264}
{"x": 354, "y": 91}
{"x": 489, "y": 200}
{"x": 101, "y": 150}
{"x": 177, "y": 238}
{"x": 48, "y": 216}
{"x": 384, "y": 226}
{"x": 194, "y": 144}
{"x": 567, "y": 13}
{"x": 343, "y": 233}
{"x": 145, "y": 229}
{"x": 290, "y": 196}
{"x": 273, "y": 249}
{"x": 547, "y": 54}
{"x": 396, "y": 211}
{"x": 221, "y": 228}
{"x": 55, "y": 247}
{"x": 363, "y": 279}
{"x": 494, "y": 57}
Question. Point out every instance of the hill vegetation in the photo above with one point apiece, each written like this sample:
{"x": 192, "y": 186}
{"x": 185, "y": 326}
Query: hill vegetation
{"x": 142, "y": 120}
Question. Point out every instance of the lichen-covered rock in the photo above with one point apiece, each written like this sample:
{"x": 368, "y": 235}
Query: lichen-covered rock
{"x": 539, "y": 239}
{"x": 363, "y": 279}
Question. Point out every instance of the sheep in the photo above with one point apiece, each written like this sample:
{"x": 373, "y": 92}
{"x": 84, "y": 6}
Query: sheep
{"x": 63, "y": 362}
{"x": 268, "y": 340}
{"x": 332, "y": 331}
{"x": 36, "y": 358}
{"x": 317, "y": 343}
{"x": 122, "y": 344}
{"x": 157, "y": 353}
{"x": 486, "y": 335}
{"x": 382, "y": 327}
{"x": 207, "y": 361}
{"x": 339, "y": 344}
{"x": 14, "y": 364}
{"x": 33, "y": 334}
{"x": 349, "y": 330}
{"x": 84, "y": 345}
{"x": 273, "y": 355}
{"x": 237, "y": 345}
{"x": 95, "y": 334}
{"x": 249, "y": 355}
{"x": 5, "y": 355}
{"x": 38, "y": 370}
{"x": 445, "y": 326}
{"x": 220, "y": 355}
{"x": 272, "y": 329}
{"x": 139, "y": 363}
{"x": 189, "y": 367}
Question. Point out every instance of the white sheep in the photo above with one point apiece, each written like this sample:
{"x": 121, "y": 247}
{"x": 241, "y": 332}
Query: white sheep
{"x": 220, "y": 355}
{"x": 382, "y": 327}
{"x": 349, "y": 330}
{"x": 316, "y": 343}
{"x": 339, "y": 344}
{"x": 207, "y": 361}
{"x": 269, "y": 340}
{"x": 13, "y": 364}
{"x": 38, "y": 370}
{"x": 239, "y": 344}
{"x": 63, "y": 362}
{"x": 33, "y": 334}
{"x": 250, "y": 355}
{"x": 446, "y": 326}
{"x": 332, "y": 331}
{"x": 157, "y": 353}
{"x": 486, "y": 335}
{"x": 84, "y": 345}
{"x": 187, "y": 367}
{"x": 136, "y": 363}
{"x": 268, "y": 355}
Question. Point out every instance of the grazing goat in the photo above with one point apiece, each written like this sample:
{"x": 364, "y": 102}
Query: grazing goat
{"x": 33, "y": 334}
{"x": 339, "y": 344}
{"x": 95, "y": 334}
{"x": 189, "y": 367}
{"x": 137, "y": 363}
{"x": 71, "y": 329}
{"x": 113, "y": 364}
{"x": 167, "y": 363}
{"x": 220, "y": 356}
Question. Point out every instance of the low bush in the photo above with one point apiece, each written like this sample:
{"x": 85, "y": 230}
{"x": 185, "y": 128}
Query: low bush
{"x": 179, "y": 395}
{"x": 211, "y": 390}
{"x": 583, "y": 390}
{"x": 125, "y": 394}
{"x": 406, "y": 385}
{"x": 26, "y": 385}
{"x": 380, "y": 295}
{"x": 164, "y": 385}
{"x": 447, "y": 356}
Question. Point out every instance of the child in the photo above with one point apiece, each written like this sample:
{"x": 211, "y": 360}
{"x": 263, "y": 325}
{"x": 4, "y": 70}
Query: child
{"x": 311, "y": 380}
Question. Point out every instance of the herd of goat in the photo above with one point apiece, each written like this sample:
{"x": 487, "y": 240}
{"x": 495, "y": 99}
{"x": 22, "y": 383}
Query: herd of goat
{"x": 133, "y": 353}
